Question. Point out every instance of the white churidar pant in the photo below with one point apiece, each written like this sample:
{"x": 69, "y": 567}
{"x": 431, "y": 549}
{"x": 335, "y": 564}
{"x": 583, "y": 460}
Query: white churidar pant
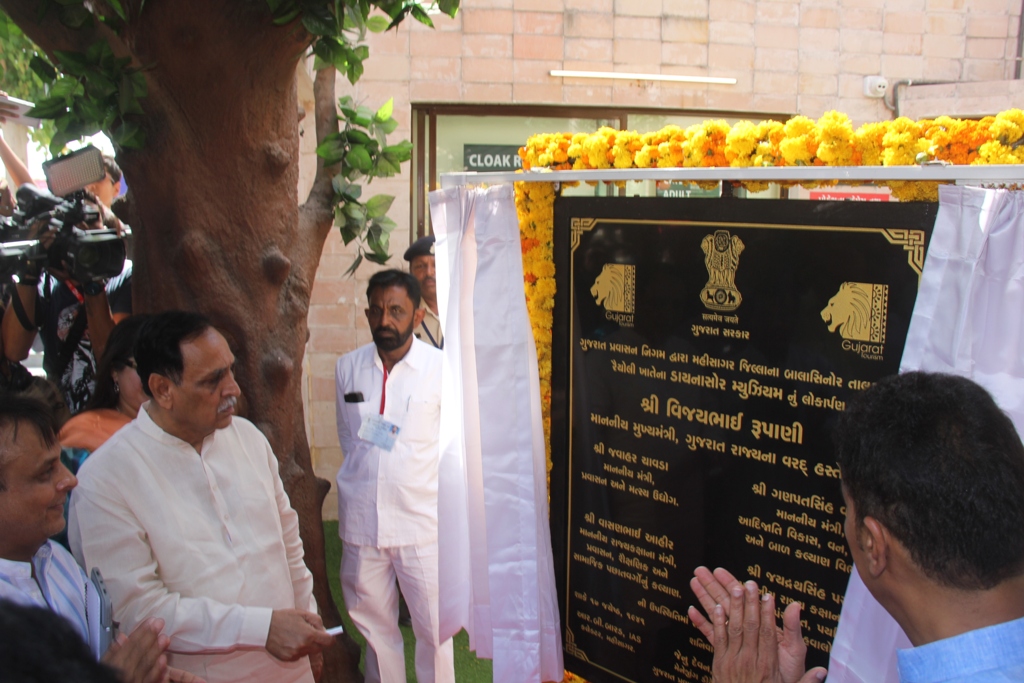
{"x": 968, "y": 320}
{"x": 368, "y": 584}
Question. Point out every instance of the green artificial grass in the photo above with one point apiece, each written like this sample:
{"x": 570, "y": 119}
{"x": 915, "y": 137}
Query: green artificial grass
{"x": 468, "y": 669}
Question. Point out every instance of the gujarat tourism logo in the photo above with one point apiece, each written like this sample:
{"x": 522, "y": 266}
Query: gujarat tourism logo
{"x": 615, "y": 290}
{"x": 722, "y": 258}
{"x": 859, "y": 311}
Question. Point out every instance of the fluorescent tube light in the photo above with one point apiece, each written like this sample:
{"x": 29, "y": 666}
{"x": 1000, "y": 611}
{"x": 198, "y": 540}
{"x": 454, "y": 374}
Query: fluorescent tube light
{"x": 642, "y": 77}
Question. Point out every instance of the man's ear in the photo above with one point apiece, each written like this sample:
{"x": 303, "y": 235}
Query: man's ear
{"x": 417, "y": 317}
{"x": 160, "y": 386}
{"x": 876, "y": 544}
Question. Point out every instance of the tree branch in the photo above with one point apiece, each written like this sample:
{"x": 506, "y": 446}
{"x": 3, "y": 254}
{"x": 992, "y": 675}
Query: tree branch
{"x": 316, "y": 215}
{"x": 50, "y": 34}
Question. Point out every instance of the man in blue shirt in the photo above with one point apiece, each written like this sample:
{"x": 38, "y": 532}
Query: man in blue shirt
{"x": 933, "y": 479}
{"x": 39, "y": 572}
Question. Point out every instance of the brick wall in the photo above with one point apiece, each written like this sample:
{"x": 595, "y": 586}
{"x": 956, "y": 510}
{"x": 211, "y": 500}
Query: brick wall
{"x": 800, "y": 56}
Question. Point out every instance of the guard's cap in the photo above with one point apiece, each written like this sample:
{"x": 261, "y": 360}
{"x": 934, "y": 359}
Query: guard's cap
{"x": 424, "y": 246}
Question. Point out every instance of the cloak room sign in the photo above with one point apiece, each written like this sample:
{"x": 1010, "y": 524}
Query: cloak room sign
{"x": 491, "y": 158}
{"x": 702, "y": 351}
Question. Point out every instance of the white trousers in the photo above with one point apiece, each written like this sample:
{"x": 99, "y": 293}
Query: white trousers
{"x": 368, "y": 584}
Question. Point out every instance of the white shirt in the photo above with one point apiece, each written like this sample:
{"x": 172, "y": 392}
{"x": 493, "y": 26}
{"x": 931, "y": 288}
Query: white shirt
{"x": 388, "y": 499}
{"x": 61, "y": 585}
{"x": 207, "y": 542}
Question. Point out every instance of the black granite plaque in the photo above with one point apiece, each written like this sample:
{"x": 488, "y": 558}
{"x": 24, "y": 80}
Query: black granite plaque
{"x": 702, "y": 351}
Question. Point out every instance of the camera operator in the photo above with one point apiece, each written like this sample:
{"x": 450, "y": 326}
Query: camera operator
{"x": 73, "y": 319}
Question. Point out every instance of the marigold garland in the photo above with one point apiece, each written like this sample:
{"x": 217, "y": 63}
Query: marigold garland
{"x": 535, "y": 207}
{"x": 800, "y": 141}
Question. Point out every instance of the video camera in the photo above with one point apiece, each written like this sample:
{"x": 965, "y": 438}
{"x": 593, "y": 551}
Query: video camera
{"x": 87, "y": 255}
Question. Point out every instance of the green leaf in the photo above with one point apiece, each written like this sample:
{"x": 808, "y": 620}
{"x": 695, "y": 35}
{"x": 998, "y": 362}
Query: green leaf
{"x": 74, "y": 63}
{"x": 119, "y": 9}
{"x": 355, "y": 211}
{"x": 331, "y": 150}
{"x": 449, "y": 7}
{"x": 378, "y": 205}
{"x": 288, "y": 17}
{"x": 5, "y": 32}
{"x": 42, "y": 68}
{"x": 355, "y": 72}
{"x": 378, "y": 24}
{"x": 139, "y": 86}
{"x": 402, "y": 151}
{"x": 124, "y": 135}
{"x": 48, "y": 108}
{"x": 319, "y": 21}
{"x": 66, "y": 88}
{"x": 359, "y": 158}
{"x": 340, "y": 184}
{"x": 75, "y": 16}
{"x": 59, "y": 142}
{"x": 355, "y": 265}
{"x": 388, "y": 126}
{"x": 420, "y": 15}
{"x": 90, "y": 110}
{"x": 387, "y": 166}
{"x": 385, "y": 111}
{"x": 357, "y": 136}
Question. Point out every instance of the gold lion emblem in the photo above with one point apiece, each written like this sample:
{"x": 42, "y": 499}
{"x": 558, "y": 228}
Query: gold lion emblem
{"x": 722, "y": 258}
{"x": 615, "y": 288}
{"x": 858, "y": 311}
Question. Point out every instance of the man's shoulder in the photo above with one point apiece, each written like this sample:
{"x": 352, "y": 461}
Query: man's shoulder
{"x": 246, "y": 430}
{"x": 63, "y": 557}
{"x": 426, "y": 355}
{"x": 357, "y": 357}
{"x": 108, "y": 460}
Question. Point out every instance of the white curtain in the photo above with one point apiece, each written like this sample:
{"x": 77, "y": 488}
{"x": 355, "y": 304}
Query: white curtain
{"x": 497, "y": 569}
{"x": 969, "y": 321}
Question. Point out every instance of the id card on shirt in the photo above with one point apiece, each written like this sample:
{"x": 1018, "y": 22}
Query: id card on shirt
{"x": 379, "y": 432}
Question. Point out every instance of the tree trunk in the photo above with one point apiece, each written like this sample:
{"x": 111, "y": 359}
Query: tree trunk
{"x": 214, "y": 211}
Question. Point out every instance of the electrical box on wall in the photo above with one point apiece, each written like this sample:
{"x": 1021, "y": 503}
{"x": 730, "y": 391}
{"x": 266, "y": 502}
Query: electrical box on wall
{"x": 875, "y": 86}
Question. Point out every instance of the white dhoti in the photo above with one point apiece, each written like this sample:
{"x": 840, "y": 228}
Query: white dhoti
{"x": 368, "y": 584}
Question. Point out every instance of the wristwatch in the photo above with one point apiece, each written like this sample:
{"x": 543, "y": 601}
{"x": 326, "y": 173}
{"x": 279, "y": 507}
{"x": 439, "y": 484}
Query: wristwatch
{"x": 93, "y": 287}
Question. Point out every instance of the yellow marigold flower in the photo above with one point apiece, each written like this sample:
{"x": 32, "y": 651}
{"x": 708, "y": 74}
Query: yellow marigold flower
{"x": 911, "y": 191}
{"x": 741, "y": 144}
{"x": 835, "y": 136}
{"x": 800, "y": 145}
{"x": 902, "y": 143}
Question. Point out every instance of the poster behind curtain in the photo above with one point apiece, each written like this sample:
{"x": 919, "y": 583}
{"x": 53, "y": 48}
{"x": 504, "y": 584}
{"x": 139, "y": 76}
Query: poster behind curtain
{"x": 495, "y": 422}
{"x": 969, "y": 321}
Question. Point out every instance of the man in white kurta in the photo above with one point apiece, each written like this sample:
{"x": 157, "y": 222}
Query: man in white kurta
{"x": 389, "y": 402}
{"x": 195, "y": 526}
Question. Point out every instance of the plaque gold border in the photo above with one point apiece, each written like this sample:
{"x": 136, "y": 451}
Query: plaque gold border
{"x": 912, "y": 242}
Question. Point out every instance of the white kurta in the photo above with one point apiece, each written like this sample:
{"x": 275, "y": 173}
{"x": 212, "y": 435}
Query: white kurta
{"x": 208, "y": 542}
{"x": 389, "y": 499}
